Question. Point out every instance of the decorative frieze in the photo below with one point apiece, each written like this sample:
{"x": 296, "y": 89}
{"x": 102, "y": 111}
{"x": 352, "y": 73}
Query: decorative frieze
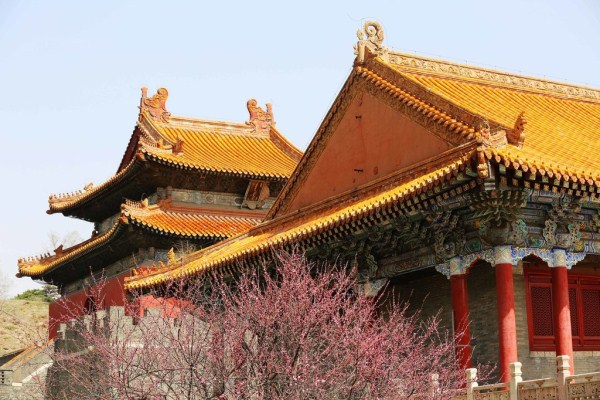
{"x": 509, "y": 255}
{"x": 448, "y": 68}
{"x": 460, "y": 264}
{"x": 496, "y": 212}
{"x": 562, "y": 227}
{"x": 552, "y": 257}
{"x": 448, "y": 238}
{"x": 205, "y": 198}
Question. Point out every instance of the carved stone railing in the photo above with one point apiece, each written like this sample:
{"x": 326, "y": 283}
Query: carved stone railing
{"x": 561, "y": 387}
{"x": 546, "y": 389}
{"x": 498, "y": 391}
{"x": 583, "y": 387}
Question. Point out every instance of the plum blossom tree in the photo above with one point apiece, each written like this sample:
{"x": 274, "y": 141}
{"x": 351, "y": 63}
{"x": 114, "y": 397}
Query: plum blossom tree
{"x": 293, "y": 330}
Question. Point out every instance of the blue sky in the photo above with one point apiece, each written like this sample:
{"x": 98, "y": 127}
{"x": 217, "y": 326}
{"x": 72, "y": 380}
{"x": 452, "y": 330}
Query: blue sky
{"x": 71, "y": 74}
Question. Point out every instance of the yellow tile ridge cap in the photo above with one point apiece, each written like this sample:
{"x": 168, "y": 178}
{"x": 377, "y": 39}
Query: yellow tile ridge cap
{"x": 351, "y": 212}
{"x": 441, "y": 117}
{"x": 438, "y": 67}
{"x": 482, "y": 121}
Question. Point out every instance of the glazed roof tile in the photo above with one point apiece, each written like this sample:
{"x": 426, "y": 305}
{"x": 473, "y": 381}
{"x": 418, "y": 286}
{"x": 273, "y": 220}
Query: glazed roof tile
{"x": 223, "y": 147}
{"x": 190, "y": 223}
{"x": 206, "y": 146}
{"x": 287, "y": 231}
{"x": 177, "y": 222}
{"x": 562, "y": 134}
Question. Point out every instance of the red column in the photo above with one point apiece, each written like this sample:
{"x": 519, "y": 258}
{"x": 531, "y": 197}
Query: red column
{"x": 507, "y": 324}
{"x": 561, "y": 310}
{"x": 460, "y": 309}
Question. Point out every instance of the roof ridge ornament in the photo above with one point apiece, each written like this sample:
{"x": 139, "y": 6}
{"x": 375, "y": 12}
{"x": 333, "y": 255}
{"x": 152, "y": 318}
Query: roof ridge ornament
{"x": 516, "y": 136}
{"x": 155, "y": 106}
{"x": 489, "y": 138}
{"x": 58, "y": 197}
{"x": 260, "y": 120}
{"x": 370, "y": 38}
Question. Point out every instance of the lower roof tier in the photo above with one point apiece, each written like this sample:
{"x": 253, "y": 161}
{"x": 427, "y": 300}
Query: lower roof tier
{"x": 139, "y": 218}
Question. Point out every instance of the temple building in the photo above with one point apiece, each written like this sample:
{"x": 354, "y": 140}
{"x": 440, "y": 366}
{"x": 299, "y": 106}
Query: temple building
{"x": 183, "y": 184}
{"x": 457, "y": 188}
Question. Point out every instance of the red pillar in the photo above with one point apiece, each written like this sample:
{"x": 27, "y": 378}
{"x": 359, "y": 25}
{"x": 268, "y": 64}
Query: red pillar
{"x": 460, "y": 309}
{"x": 561, "y": 310}
{"x": 507, "y": 324}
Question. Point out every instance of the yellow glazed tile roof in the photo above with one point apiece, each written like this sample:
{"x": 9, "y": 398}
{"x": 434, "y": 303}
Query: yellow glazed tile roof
{"x": 285, "y": 231}
{"x": 223, "y": 147}
{"x": 189, "y": 222}
{"x": 562, "y": 134}
{"x": 183, "y": 223}
{"x": 195, "y": 144}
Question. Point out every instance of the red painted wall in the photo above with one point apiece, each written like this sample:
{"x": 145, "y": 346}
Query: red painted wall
{"x": 371, "y": 137}
{"x": 107, "y": 294}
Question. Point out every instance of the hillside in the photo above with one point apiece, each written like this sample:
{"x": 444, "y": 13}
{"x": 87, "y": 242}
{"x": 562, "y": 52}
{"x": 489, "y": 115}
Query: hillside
{"x": 21, "y": 322}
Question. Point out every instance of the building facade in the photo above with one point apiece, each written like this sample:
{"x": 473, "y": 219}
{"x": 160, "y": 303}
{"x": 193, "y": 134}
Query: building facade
{"x": 183, "y": 184}
{"x": 458, "y": 188}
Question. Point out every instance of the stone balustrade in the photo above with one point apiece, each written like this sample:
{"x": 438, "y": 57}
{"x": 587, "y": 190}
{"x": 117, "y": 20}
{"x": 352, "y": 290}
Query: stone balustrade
{"x": 561, "y": 387}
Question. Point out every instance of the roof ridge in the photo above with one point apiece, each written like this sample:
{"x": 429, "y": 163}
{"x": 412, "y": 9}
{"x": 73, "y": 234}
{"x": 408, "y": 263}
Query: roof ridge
{"x": 259, "y": 124}
{"x": 433, "y": 66}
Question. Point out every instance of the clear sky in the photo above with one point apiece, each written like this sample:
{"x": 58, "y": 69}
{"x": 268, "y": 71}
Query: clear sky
{"x": 71, "y": 74}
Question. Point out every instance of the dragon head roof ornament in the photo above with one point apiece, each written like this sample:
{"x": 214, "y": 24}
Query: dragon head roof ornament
{"x": 260, "y": 120}
{"x": 370, "y": 38}
{"x": 155, "y": 106}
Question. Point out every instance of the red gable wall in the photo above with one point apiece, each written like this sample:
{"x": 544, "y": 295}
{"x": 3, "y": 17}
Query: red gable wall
{"x": 371, "y": 141}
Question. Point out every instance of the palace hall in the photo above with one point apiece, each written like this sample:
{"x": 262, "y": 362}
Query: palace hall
{"x": 463, "y": 190}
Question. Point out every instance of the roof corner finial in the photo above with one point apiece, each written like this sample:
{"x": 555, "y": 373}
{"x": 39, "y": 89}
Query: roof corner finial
{"x": 260, "y": 120}
{"x": 516, "y": 136}
{"x": 155, "y": 106}
{"x": 370, "y": 38}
